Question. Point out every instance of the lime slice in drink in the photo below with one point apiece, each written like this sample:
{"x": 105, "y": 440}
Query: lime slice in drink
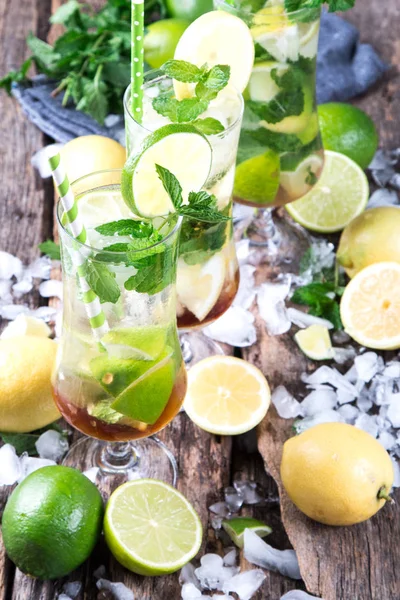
{"x": 140, "y": 343}
{"x": 216, "y": 38}
{"x": 309, "y": 39}
{"x": 299, "y": 181}
{"x": 257, "y": 178}
{"x": 273, "y": 31}
{"x": 262, "y": 88}
{"x": 199, "y": 286}
{"x": 99, "y": 207}
{"x": 181, "y": 149}
{"x": 151, "y": 528}
{"x": 295, "y": 124}
{"x": 235, "y": 528}
{"x": 116, "y": 374}
{"x": 146, "y": 398}
{"x": 315, "y": 342}
{"x": 340, "y": 195}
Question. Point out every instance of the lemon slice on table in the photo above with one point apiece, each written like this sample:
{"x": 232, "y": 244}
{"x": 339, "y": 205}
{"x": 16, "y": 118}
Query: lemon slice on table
{"x": 216, "y": 38}
{"x": 151, "y": 528}
{"x": 236, "y": 527}
{"x": 315, "y": 342}
{"x": 370, "y": 306}
{"x": 339, "y": 196}
{"x": 226, "y": 395}
{"x": 199, "y": 286}
{"x": 181, "y": 149}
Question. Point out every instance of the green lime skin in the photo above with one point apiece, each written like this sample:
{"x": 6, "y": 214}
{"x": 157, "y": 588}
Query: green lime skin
{"x": 52, "y": 522}
{"x": 188, "y": 9}
{"x": 348, "y": 130}
{"x": 161, "y": 39}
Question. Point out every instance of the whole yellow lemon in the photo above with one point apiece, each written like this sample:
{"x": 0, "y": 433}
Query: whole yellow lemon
{"x": 336, "y": 474}
{"x": 26, "y": 400}
{"x": 90, "y": 153}
{"x": 370, "y": 238}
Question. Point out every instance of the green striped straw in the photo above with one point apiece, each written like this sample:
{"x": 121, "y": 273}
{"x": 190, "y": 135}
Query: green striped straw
{"x": 96, "y": 316}
{"x": 137, "y": 59}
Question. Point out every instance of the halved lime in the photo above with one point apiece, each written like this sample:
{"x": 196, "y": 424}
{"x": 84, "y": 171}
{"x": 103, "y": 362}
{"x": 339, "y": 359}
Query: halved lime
{"x": 315, "y": 342}
{"x": 151, "y": 528}
{"x": 236, "y": 527}
{"x": 340, "y": 195}
{"x": 257, "y": 179}
{"x": 299, "y": 181}
{"x": 262, "y": 88}
{"x": 142, "y": 343}
{"x": 146, "y": 398}
{"x": 181, "y": 149}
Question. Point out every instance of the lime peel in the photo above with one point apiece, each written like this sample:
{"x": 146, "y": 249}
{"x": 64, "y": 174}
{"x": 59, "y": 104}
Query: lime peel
{"x": 236, "y": 527}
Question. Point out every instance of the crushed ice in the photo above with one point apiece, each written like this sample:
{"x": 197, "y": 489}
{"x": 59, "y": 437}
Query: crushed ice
{"x": 118, "y": 590}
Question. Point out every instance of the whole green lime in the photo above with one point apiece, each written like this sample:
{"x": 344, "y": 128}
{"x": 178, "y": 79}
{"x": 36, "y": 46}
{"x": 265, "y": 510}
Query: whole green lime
{"x": 188, "y": 9}
{"x": 348, "y": 130}
{"x": 161, "y": 40}
{"x": 52, "y": 521}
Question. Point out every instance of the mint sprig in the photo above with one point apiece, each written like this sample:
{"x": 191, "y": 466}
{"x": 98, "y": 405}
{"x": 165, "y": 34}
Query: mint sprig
{"x": 50, "y": 249}
{"x": 137, "y": 229}
{"x": 333, "y": 5}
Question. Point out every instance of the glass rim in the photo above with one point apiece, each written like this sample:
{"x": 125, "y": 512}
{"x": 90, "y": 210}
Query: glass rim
{"x": 241, "y": 11}
{"x": 165, "y": 76}
{"x": 110, "y": 253}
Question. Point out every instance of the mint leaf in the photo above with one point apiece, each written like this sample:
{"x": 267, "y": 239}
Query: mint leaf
{"x": 102, "y": 410}
{"x": 51, "y": 249}
{"x": 289, "y": 101}
{"x": 140, "y": 249}
{"x": 198, "y": 244}
{"x": 334, "y": 5}
{"x": 171, "y": 185}
{"x": 318, "y": 297}
{"x": 166, "y": 107}
{"x": 65, "y": 12}
{"x": 102, "y": 282}
{"x": 262, "y": 55}
{"x": 218, "y": 77}
{"x": 311, "y": 178}
{"x": 189, "y": 109}
{"x": 204, "y": 93}
{"x": 26, "y": 442}
{"x": 15, "y": 76}
{"x": 209, "y": 126}
{"x": 153, "y": 277}
{"x": 182, "y": 71}
{"x": 94, "y": 101}
{"x": 43, "y": 54}
{"x": 137, "y": 229}
{"x": 202, "y": 207}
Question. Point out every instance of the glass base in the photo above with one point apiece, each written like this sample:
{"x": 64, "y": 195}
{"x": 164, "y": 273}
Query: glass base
{"x": 118, "y": 462}
{"x": 195, "y": 346}
{"x": 276, "y": 239}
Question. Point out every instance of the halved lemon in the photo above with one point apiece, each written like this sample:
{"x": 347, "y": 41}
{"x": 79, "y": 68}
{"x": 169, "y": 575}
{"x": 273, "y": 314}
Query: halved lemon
{"x": 315, "y": 342}
{"x": 370, "y": 306}
{"x": 226, "y": 395}
{"x": 24, "y": 325}
{"x": 181, "y": 149}
{"x": 217, "y": 38}
{"x": 199, "y": 286}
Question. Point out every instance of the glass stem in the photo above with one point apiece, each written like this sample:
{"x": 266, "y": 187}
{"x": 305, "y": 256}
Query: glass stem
{"x": 118, "y": 457}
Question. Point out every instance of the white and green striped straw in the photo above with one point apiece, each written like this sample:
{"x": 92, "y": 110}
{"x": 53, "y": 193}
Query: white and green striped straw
{"x": 96, "y": 316}
{"x": 137, "y": 59}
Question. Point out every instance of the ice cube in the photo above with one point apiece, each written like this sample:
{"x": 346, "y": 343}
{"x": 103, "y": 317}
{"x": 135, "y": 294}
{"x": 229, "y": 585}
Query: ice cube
{"x": 230, "y": 558}
{"x": 216, "y": 521}
{"x": 11, "y": 311}
{"x": 351, "y": 374}
{"x": 396, "y": 469}
{"x": 10, "y": 466}
{"x": 367, "y": 365}
{"x": 340, "y": 337}
{"x": 343, "y": 355}
{"x": 392, "y": 369}
{"x": 318, "y": 401}
{"x": 22, "y": 287}
{"x": 383, "y": 197}
{"x": 52, "y": 444}
{"x": 263, "y": 555}
{"x": 367, "y": 423}
{"x": 344, "y": 397}
{"x": 72, "y": 589}
{"x": 382, "y": 168}
{"x": 393, "y": 413}
{"x": 349, "y": 413}
{"x": 323, "y": 255}
{"x": 286, "y": 405}
{"x": 99, "y": 572}
{"x": 303, "y": 319}
{"x": 40, "y": 160}
{"x": 233, "y": 500}
{"x": 190, "y": 592}
{"x": 298, "y": 595}
{"x": 39, "y": 268}
{"x": 271, "y": 304}
{"x": 327, "y": 416}
{"x": 387, "y": 440}
{"x": 235, "y": 327}
{"x": 245, "y": 584}
{"x": 250, "y": 491}
{"x": 46, "y": 313}
{"x": 187, "y": 575}
{"x": 219, "y": 508}
{"x": 29, "y": 464}
{"x": 243, "y": 251}
{"x": 10, "y": 266}
{"x": 246, "y": 293}
{"x": 222, "y": 597}
{"x": 212, "y": 573}
{"x": 119, "y": 590}
{"x": 5, "y": 291}
{"x": 64, "y": 597}
{"x": 51, "y": 289}
{"x": 327, "y": 375}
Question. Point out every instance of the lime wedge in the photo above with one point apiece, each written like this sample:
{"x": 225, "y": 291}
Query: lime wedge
{"x": 143, "y": 343}
{"x": 315, "y": 342}
{"x": 257, "y": 178}
{"x": 151, "y": 528}
{"x": 340, "y": 195}
{"x": 236, "y": 527}
{"x": 116, "y": 374}
{"x": 298, "y": 182}
{"x": 146, "y": 398}
{"x": 141, "y": 187}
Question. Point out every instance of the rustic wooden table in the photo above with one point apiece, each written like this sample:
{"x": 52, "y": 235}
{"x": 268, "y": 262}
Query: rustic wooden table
{"x": 357, "y": 563}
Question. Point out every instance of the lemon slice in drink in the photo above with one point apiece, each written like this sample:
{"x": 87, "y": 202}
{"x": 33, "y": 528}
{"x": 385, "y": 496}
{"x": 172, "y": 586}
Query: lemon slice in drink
{"x": 226, "y": 395}
{"x": 236, "y": 527}
{"x": 99, "y": 207}
{"x": 181, "y": 149}
{"x": 340, "y": 195}
{"x": 199, "y": 286}
{"x": 151, "y": 528}
{"x": 216, "y": 38}
{"x": 315, "y": 342}
{"x": 262, "y": 88}
{"x": 309, "y": 39}
{"x": 370, "y": 306}
{"x": 273, "y": 31}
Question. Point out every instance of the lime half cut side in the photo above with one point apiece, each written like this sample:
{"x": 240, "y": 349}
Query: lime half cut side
{"x": 236, "y": 527}
{"x": 151, "y": 528}
{"x": 181, "y": 149}
{"x": 340, "y": 195}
